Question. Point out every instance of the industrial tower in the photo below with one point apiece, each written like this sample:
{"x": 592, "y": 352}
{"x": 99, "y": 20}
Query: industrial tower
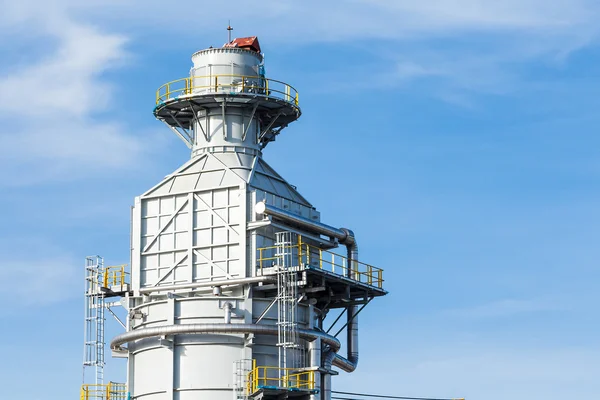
{"x": 232, "y": 271}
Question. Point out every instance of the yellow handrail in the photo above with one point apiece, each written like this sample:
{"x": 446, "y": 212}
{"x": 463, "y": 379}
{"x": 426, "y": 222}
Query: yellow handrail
{"x": 114, "y": 276}
{"x": 108, "y": 391}
{"x": 256, "y": 85}
{"x": 279, "y": 378}
{"x": 312, "y": 256}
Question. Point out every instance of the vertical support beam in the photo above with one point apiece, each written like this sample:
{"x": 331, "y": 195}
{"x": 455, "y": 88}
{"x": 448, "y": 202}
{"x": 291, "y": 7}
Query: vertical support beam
{"x": 136, "y": 251}
{"x": 170, "y": 369}
{"x": 250, "y": 121}
{"x": 224, "y": 122}
{"x": 299, "y": 250}
{"x": 245, "y": 258}
{"x": 191, "y": 225}
{"x": 129, "y": 382}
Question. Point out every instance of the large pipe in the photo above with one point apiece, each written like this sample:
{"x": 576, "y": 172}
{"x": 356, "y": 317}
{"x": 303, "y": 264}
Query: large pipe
{"x": 349, "y": 364}
{"x": 345, "y": 237}
{"x": 290, "y": 218}
{"x": 314, "y": 353}
{"x": 223, "y": 282}
{"x": 327, "y": 362}
{"x": 136, "y": 334}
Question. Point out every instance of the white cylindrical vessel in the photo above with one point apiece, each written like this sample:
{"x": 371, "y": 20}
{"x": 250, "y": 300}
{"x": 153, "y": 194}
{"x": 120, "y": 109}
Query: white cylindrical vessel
{"x": 222, "y": 71}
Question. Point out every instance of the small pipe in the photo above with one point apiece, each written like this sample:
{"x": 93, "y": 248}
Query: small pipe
{"x": 227, "y": 307}
{"x": 224, "y": 282}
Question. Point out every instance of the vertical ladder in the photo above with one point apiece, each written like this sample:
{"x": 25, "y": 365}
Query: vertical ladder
{"x": 94, "y": 342}
{"x": 288, "y": 341}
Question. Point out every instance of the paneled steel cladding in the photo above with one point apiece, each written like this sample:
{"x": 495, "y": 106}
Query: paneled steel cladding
{"x": 229, "y": 299}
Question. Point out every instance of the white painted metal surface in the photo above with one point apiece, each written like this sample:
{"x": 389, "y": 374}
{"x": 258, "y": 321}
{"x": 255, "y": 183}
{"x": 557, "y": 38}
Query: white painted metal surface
{"x": 199, "y": 228}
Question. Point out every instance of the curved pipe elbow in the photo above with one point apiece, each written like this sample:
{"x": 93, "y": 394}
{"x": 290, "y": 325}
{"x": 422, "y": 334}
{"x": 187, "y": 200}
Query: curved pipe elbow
{"x": 345, "y": 237}
{"x": 345, "y": 364}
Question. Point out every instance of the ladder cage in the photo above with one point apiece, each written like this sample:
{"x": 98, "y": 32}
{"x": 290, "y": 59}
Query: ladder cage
{"x": 94, "y": 341}
{"x": 241, "y": 375}
{"x": 290, "y": 350}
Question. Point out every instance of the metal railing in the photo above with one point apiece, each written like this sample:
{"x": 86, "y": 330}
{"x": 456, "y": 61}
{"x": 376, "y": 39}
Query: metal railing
{"x": 314, "y": 257}
{"x": 108, "y": 391}
{"x": 232, "y": 84}
{"x": 114, "y": 276}
{"x": 279, "y": 378}
{"x": 107, "y": 277}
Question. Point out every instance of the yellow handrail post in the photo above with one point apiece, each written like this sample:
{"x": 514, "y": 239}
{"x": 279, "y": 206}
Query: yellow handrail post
{"x": 296, "y": 98}
{"x": 307, "y": 252}
{"x": 108, "y": 391}
{"x": 332, "y": 262}
{"x": 299, "y": 250}
{"x": 267, "y": 87}
{"x": 321, "y": 258}
{"x": 216, "y": 83}
{"x": 243, "y": 83}
{"x": 255, "y": 376}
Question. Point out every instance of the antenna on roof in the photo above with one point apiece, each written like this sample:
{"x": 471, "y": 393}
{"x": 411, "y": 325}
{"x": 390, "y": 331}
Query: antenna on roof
{"x": 229, "y": 29}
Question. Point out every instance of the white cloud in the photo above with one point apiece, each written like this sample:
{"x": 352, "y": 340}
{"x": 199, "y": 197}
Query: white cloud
{"x": 344, "y": 20}
{"x": 51, "y": 96}
{"x": 49, "y": 150}
{"x": 64, "y": 76}
{"x": 505, "y": 308}
{"x": 477, "y": 370}
{"x": 37, "y": 280}
{"x": 517, "y": 373}
{"x": 67, "y": 82}
{"x": 313, "y": 20}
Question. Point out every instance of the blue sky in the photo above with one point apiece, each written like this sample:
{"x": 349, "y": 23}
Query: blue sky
{"x": 457, "y": 138}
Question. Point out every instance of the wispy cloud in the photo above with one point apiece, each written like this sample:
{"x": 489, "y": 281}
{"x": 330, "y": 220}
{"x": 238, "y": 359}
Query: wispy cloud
{"x": 505, "y": 308}
{"x": 499, "y": 37}
{"x": 38, "y": 280}
{"x": 51, "y": 97}
{"x": 386, "y": 19}
{"x": 476, "y": 369}
{"x": 68, "y": 81}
